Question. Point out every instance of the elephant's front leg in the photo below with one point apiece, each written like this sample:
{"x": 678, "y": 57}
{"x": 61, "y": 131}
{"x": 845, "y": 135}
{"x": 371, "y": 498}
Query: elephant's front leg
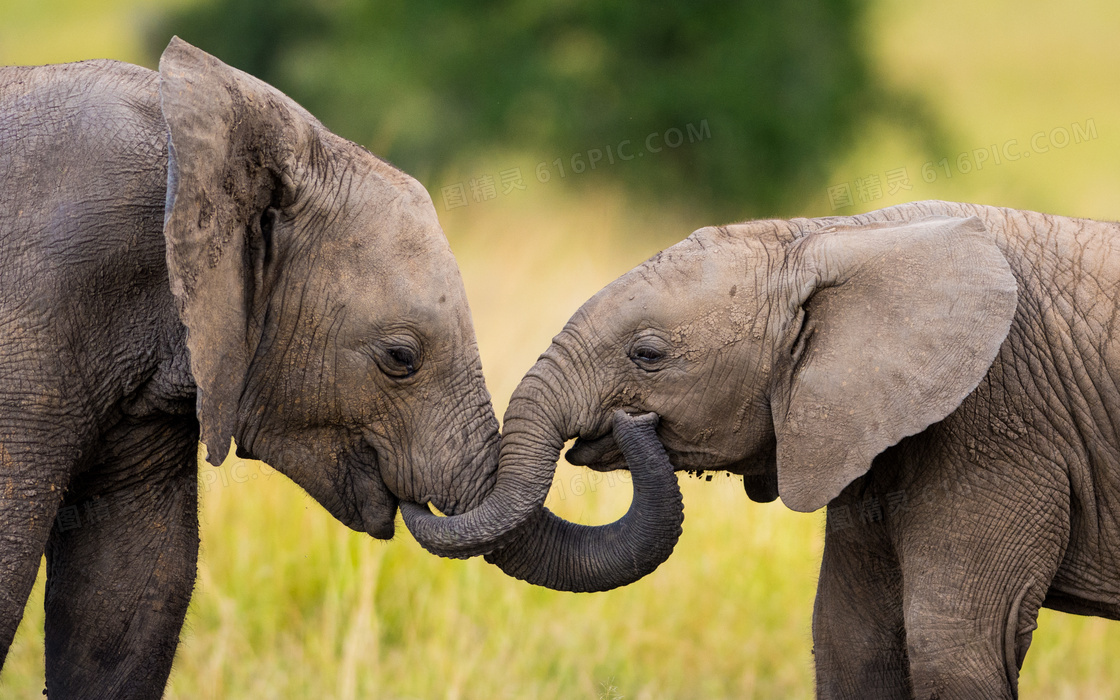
{"x": 858, "y": 641}
{"x": 978, "y": 561}
{"x": 121, "y": 566}
{"x": 34, "y": 468}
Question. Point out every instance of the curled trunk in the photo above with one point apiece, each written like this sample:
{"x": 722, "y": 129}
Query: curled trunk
{"x": 525, "y": 470}
{"x": 524, "y": 538}
{"x": 552, "y": 552}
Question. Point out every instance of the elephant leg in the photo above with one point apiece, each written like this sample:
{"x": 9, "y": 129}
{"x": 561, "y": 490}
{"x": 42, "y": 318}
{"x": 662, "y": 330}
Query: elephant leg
{"x": 858, "y": 643}
{"x": 977, "y": 568}
{"x": 33, "y": 474}
{"x": 121, "y": 565}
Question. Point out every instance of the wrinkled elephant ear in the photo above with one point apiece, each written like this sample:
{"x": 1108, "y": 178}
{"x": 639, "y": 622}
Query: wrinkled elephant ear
{"x": 232, "y": 139}
{"x": 897, "y": 325}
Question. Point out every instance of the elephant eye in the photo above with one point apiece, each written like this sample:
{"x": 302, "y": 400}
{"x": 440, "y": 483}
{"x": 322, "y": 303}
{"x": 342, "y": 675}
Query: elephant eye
{"x": 648, "y": 354}
{"x": 399, "y": 361}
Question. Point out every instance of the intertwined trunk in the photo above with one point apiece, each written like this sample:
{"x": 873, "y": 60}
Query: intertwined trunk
{"x": 524, "y": 538}
{"x": 552, "y": 552}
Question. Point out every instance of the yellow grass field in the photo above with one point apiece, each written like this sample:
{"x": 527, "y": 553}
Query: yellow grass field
{"x": 291, "y": 604}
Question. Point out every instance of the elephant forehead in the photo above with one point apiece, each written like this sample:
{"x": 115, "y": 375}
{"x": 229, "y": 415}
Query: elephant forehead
{"x": 409, "y": 295}
{"x": 680, "y": 281}
{"x": 401, "y": 228}
{"x": 395, "y": 267}
{"x": 709, "y": 262}
{"x": 412, "y": 287}
{"x": 392, "y": 245}
{"x": 704, "y": 315}
{"x": 376, "y": 212}
{"x": 704, "y": 293}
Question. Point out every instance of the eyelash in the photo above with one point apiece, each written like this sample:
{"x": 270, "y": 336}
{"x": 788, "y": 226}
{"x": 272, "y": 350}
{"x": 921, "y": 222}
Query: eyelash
{"x": 404, "y": 357}
{"x": 397, "y": 358}
{"x": 646, "y": 356}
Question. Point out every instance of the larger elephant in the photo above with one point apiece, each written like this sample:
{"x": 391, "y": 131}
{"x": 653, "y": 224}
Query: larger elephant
{"x": 190, "y": 252}
{"x": 944, "y": 377}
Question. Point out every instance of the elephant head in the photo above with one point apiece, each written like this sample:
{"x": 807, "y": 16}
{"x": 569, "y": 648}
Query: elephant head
{"x": 790, "y": 352}
{"x": 327, "y": 324}
{"x": 329, "y": 334}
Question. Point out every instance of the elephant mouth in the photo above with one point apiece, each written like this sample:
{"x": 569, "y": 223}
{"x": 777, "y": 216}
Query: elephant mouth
{"x": 371, "y": 507}
{"x": 349, "y": 486}
{"x": 378, "y": 520}
{"x": 598, "y": 453}
{"x": 378, "y": 500}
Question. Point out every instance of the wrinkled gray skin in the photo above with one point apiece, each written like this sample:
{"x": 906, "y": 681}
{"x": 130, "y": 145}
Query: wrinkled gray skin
{"x": 191, "y": 253}
{"x": 942, "y": 376}
{"x": 314, "y": 313}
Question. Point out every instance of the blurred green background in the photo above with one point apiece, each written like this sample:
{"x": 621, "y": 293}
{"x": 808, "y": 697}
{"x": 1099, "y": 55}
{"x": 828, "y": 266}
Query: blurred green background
{"x": 726, "y": 111}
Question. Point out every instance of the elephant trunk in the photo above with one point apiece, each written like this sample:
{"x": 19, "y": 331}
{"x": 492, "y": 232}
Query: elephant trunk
{"x": 524, "y": 476}
{"x": 525, "y": 539}
{"x": 552, "y": 552}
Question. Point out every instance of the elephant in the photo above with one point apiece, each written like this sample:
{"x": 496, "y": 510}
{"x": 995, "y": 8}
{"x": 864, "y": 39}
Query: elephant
{"x": 942, "y": 376}
{"x": 190, "y": 255}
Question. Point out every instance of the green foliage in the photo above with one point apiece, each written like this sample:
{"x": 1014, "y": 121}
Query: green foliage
{"x": 781, "y": 86}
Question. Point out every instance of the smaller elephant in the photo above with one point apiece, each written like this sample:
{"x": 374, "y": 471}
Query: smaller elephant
{"x": 944, "y": 377}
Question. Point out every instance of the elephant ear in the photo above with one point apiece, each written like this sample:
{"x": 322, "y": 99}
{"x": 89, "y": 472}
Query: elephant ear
{"x": 232, "y": 140}
{"x": 897, "y": 325}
